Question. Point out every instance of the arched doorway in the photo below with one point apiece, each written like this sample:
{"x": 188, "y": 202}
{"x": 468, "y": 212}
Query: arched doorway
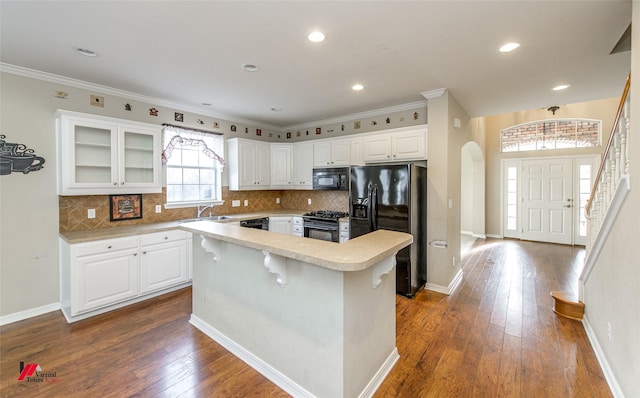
{"x": 472, "y": 208}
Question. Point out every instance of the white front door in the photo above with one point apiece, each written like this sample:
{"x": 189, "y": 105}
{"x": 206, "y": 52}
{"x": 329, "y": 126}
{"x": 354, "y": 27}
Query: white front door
{"x": 544, "y": 198}
{"x": 547, "y": 200}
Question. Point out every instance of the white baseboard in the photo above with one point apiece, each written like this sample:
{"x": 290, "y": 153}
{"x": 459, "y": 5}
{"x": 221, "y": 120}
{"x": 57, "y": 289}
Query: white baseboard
{"x": 277, "y": 377}
{"x": 380, "y": 375}
{"x": 66, "y": 311}
{"x": 494, "y": 236}
{"x": 30, "y": 313}
{"x": 602, "y": 360}
{"x": 480, "y": 236}
{"x": 448, "y": 289}
{"x": 468, "y": 233}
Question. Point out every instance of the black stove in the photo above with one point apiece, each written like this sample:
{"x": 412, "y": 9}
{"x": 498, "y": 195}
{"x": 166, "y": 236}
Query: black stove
{"x": 325, "y": 215}
{"x": 323, "y": 224}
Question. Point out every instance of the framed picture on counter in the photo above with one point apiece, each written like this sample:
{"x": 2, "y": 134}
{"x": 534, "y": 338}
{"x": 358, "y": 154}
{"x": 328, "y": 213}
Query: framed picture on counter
{"x": 125, "y": 207}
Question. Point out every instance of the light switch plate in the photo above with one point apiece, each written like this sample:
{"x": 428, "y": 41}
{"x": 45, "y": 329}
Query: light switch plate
{"x": 246, "y": 202}
{"x": 158, "y": 208}
{"x": 91, "y": 213}
{"x": 235, "y": 203}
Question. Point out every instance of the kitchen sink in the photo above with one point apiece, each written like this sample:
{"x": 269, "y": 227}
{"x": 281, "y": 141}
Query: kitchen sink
{"x": 212, "y": 218}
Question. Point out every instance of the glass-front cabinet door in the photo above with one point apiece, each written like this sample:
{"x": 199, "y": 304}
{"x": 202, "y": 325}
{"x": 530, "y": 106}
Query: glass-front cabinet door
{"x": 100, "y": 155}
{"x": 93, "y": 154}
{"x": 138, "y": 154}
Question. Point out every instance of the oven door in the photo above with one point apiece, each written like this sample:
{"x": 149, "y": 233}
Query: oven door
{"x": 322, "y": 231}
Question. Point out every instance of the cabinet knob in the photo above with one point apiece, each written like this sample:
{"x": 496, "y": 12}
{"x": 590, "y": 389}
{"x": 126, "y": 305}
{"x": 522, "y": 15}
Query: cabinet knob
{"x": 122, "y": 183}
{"x": 166, "y": 237}
{"x": 109, "y": 247}
{"x": 144, "y": 252}
{"x": 115, "y": 183}
{"x": 135, "y": 254}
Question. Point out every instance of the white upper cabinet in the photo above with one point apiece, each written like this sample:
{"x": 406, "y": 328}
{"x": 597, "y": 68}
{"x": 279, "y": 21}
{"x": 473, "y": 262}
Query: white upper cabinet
{"x": 396, "y": 146}
{"x": 100, "y": 155}
{"x": 281, "y": 170}
{"x": 249, "y": 164}
{"x": 331, "y": 153}
{"x": 303, "y": 165}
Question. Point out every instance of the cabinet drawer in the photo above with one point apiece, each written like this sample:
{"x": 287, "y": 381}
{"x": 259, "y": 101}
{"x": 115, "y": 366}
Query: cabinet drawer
{"x": 297, "y": 229}
{"x": 161, "y": 237}
{"x": 344, "y": 227}
{"x": 297, "y": 220}
{"x": 104, "y": 246}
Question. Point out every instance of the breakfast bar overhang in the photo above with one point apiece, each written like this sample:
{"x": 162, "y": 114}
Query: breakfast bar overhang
{"x": 317, "y": 318}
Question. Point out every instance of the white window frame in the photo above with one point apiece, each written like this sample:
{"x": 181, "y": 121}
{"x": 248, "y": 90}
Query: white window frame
{"x": 167, "y": 134}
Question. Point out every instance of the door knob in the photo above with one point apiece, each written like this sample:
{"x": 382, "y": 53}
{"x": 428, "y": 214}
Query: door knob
{"x": 568, "y": 206}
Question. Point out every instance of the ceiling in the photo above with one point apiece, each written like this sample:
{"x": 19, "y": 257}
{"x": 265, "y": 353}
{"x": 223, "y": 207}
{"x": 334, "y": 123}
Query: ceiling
{"x": 191, "y": 53}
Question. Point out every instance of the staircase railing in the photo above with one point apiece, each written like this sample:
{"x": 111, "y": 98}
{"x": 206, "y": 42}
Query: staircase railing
{"x": 611, "y": 183}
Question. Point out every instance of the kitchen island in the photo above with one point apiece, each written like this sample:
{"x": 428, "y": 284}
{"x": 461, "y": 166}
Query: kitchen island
{"x": 317, "y": 318}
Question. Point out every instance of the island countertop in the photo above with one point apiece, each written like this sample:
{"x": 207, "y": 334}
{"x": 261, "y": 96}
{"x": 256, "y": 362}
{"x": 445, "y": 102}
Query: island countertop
{"x": 354, "y": 255}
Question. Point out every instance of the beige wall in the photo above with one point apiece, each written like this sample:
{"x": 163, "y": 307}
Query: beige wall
{"x": 444, "y": 175}
{"x": 604, "y": 110}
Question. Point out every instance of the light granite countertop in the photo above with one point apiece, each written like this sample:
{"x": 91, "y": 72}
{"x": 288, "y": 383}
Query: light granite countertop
{"x": 354, "y": 255}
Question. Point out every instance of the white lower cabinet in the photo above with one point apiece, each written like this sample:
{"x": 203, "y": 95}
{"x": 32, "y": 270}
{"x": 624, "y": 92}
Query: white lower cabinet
{"x": 280, "y": 224}
{"x": 103, "y": 279}
{"x": 106, "y": 274}
{"x": 298, "y": 226}
{"x": 163, "y": 260}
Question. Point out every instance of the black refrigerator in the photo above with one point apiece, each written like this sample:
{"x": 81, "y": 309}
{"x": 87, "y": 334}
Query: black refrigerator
{"x": 393, "y": 197}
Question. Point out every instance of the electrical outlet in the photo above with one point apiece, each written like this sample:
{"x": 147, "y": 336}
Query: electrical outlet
{"x": 158, "y": 208}
{"x": 609, "y": 332}
{"x": 309, "y": 201}
{"x": 246, "y": 203}
{"x": 235, "y": 203}
{"x": 277, "y": 201}
{"x": 453, "y": 262}
{"x": 91, "y": 213}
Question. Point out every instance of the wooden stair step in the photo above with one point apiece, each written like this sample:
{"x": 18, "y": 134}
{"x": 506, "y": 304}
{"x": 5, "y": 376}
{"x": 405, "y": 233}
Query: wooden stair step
{"x": 567, "y": 305}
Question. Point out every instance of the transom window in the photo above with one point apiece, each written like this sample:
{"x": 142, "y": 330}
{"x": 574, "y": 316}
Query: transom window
{"x": 551, "y": 134}
{"x": 194, "y": 165}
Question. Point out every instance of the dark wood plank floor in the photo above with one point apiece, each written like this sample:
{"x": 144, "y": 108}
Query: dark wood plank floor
{"x": 496, "y": 336}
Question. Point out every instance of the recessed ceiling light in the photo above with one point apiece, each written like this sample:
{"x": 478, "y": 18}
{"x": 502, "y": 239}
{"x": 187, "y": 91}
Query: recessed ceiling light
{"x": 357, "y": 87}
{"x": 274, "y": 109}
{"x": 206, "y": 104}
{"x": 316, "y": 36}
{"x": 86, "y": 52}
{"x": 250, "y": 67}
{"x": 509, "y": 47}
{"x": 561, "y": 87}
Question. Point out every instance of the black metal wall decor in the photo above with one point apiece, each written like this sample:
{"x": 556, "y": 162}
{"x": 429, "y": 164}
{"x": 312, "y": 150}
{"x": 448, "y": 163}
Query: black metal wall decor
{"x": 18, "y": 158}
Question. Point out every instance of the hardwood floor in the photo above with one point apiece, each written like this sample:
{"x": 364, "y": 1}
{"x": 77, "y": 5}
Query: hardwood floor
{"x": 495, "y": 336}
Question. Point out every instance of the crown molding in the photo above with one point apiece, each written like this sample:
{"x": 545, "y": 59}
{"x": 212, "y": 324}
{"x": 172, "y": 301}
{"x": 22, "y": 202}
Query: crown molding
{"x": 433, "y": 93}
{"x": 81, "y": 84}
{"x": 360, "y": 115}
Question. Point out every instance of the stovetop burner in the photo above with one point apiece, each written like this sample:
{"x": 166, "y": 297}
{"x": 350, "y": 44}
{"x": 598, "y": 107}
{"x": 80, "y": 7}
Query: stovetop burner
{"x": 326, "y": 214}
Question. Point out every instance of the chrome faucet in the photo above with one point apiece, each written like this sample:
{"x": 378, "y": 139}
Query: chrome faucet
{"x": 201, "y": 209}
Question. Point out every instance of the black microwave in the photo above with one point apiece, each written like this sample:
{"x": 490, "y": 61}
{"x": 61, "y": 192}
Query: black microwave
{"x": 336, "y": 179}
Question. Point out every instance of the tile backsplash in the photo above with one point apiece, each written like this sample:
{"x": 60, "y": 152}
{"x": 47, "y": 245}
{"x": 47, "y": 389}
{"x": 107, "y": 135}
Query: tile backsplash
{"x": 73, "y": 209}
